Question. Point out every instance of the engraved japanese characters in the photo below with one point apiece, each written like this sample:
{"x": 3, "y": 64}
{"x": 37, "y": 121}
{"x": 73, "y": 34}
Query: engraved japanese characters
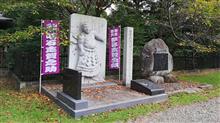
{"x": 50, "y": 61}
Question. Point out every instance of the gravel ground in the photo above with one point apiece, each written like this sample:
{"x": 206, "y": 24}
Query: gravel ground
{"x": 205, "y": 112}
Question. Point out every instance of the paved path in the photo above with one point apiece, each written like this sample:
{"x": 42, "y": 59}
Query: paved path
{"x": 205, "y": 112}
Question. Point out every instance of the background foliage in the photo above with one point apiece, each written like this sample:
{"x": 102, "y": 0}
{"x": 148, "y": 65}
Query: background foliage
{"x": 189, "y": 27}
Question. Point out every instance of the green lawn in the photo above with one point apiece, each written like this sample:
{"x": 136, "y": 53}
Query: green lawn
{"x": 30, "y": 107}
{"x": 207, "y": 77}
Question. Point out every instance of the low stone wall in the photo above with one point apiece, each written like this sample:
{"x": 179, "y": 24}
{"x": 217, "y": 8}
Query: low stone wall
{"x": 4, "y": 72}
{"x": 34, "y": 85}
{"x": 24, "y": 84}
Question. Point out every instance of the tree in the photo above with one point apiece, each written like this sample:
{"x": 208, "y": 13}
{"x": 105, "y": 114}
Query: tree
{"x": 25, "y": 35}
{"x": 185, "y": 25}
{"x": 194, "y": 23}
{"x": 95, "y": 7}
{"x": 188, "y": 25}
{"x": 137, "y": 14}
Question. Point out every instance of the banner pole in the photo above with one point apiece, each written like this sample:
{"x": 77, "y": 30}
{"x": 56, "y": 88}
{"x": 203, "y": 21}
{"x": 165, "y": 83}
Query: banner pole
{"x": 40, "y": 78}
{"x": 119, "y": 77}
{"x": 119, "y": 74}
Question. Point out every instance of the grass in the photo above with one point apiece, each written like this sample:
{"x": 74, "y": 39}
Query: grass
{"x": 30, "y": 107}
{"x": 206, "y": 78}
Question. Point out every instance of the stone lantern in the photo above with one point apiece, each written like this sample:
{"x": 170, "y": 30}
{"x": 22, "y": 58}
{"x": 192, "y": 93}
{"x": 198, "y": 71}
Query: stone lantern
{"x": 5, "y": 22}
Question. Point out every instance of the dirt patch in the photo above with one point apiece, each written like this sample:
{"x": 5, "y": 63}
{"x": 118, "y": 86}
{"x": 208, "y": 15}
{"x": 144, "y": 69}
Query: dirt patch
{"x": 101, "y": 92}
{"x": 107, "y": 91}
{"x": 170, "y": 87}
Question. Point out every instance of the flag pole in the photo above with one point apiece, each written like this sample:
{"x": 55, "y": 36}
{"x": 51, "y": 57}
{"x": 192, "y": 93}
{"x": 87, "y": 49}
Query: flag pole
{"x": 40, "y": 78}
{"x": 119, "y": 77}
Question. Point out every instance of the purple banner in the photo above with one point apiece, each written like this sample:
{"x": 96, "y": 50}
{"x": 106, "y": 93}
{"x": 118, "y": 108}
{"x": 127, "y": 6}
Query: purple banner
{"x": 114, "y": 36}
{"x": 50, "y": 62}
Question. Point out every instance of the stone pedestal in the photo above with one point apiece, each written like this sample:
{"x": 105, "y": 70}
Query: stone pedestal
{"x": 128, "y": 55}
{"x": 73, "y": 103}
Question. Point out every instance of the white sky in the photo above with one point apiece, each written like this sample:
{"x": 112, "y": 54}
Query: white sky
{"x": 109, "y": 10}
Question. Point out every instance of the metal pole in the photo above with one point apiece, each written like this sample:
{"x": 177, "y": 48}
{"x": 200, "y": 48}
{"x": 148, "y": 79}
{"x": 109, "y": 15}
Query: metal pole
{"x": 119, "y": 78}
{"x": 40, "y": 78}
{"x": 119, "y": 54}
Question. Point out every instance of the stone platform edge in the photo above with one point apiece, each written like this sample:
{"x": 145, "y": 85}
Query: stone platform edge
{"x": 104, "y": 108}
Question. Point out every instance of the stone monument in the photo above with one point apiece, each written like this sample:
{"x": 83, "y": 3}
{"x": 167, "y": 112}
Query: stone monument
{"x": 157, "y": 62}
{"x": 128, "y": 55}
{"x": 87, "y": 50}
{"x": 71, "y": 80}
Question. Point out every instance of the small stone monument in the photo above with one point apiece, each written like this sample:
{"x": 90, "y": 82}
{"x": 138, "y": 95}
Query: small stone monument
{"x": 157, "y": 62}
{"x": 146, "y": 86}
{"x": 128, "y": 55}
{"x": 87, "y": 51}
{"x": 72, "y": 82}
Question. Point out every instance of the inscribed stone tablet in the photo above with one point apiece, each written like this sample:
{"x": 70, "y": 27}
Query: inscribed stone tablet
{"x": 160, "y": 61}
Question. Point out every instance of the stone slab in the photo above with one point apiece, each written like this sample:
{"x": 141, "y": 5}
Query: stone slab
{"x": 160, "y": 61}
{"x": 72, "y": 83}
{"x": 98, "y": 28}
{"x": 121, "y": 105}
{"x": 74, "y": 104}
{"x": 206, "y": 86}
{"x": 104, "y": 108}
{"x": 147, "y": 87}
{"x": 192, "y": 90}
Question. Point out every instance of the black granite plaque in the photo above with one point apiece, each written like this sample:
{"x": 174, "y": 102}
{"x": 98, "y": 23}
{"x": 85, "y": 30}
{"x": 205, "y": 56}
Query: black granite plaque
{"x": 72, "y": 82}
{"x": 146, "y": 86}
{"x": 160, "y": 61}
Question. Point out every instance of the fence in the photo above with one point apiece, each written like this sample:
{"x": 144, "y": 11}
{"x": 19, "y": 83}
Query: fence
{"x": 26, "y": 65}
{"x": 2, "y": 58}
{"x": 200, "y": 62}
